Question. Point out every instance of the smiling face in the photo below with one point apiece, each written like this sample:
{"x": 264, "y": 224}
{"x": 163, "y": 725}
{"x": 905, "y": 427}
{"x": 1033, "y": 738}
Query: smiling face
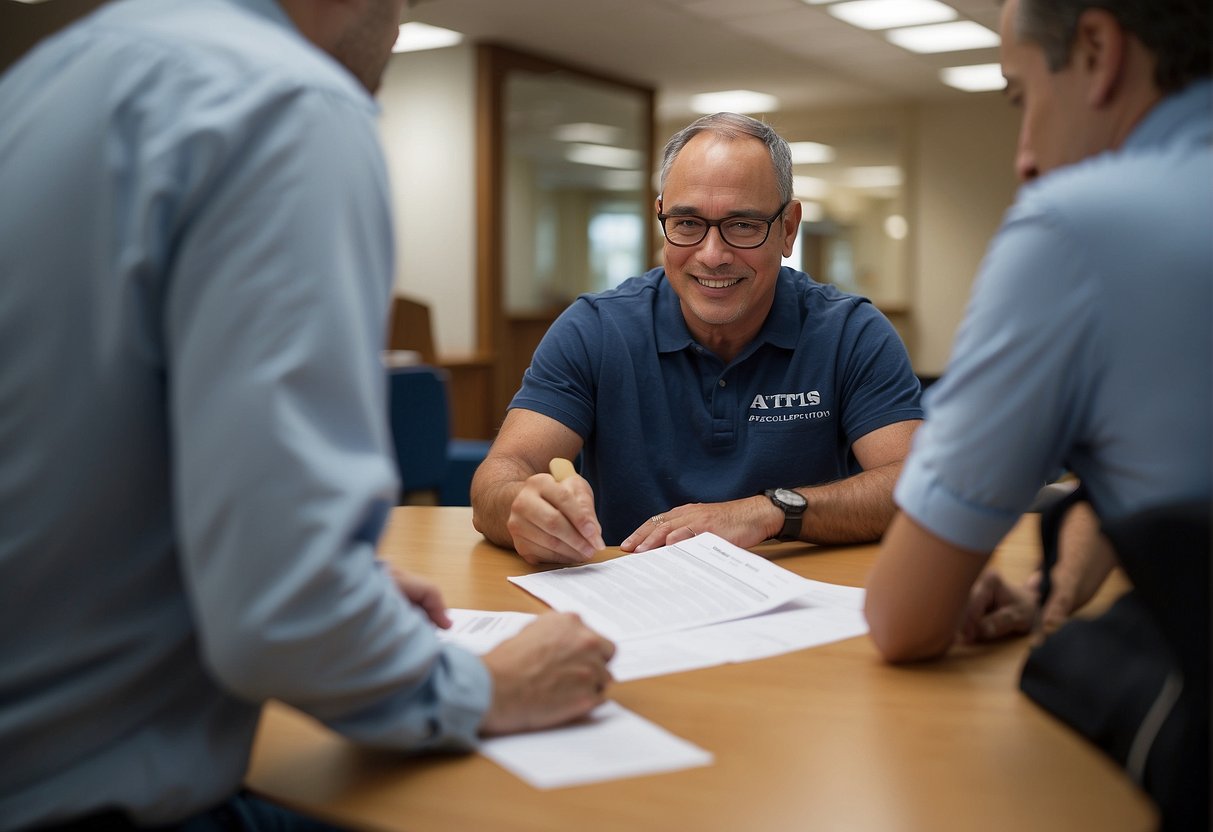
{"x": 726, "y": 292}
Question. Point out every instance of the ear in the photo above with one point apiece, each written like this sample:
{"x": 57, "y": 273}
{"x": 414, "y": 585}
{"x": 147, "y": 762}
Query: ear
{"x": 791, "y": 226}
{"x": 1099, "y": 54}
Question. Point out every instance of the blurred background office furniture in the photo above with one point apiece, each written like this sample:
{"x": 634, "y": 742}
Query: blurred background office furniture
{"x": 410, "y": 329}
{"x": 401, "y": 358}
{"x": 434, "y": 468}
{"x": 469, "y": 377}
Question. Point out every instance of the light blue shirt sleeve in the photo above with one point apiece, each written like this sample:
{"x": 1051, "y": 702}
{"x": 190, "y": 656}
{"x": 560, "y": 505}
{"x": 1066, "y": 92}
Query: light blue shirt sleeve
{"x": 196, "y": 251}
{"x": 1087, "y": 344}
{"x": 1008, "y": 407}
{"x": 274, "y": 323}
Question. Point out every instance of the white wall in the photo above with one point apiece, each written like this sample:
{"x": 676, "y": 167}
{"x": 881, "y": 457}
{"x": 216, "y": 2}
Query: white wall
{"x": 963, "y": 182}
{"x": 429, "y": 128}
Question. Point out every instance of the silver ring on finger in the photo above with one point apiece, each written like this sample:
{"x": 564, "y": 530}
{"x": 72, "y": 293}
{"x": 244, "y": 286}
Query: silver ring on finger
{"x": 657, "y": 519}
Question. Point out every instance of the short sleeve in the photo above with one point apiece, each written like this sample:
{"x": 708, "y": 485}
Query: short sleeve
{"x": 879, "y": 385}
{"x": 1012, "y": 397}
{"x": 559, "y": 382}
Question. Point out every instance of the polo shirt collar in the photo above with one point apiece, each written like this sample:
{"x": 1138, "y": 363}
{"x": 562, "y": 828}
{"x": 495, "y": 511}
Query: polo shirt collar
{"x": 781, "y": 328}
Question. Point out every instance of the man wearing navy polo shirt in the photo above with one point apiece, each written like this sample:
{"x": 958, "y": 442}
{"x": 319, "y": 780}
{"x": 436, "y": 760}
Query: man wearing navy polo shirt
{"x": 720, "y": 393}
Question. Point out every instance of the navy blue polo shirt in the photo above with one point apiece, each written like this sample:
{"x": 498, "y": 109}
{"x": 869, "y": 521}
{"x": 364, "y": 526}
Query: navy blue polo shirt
{"x": 666, "y": 422}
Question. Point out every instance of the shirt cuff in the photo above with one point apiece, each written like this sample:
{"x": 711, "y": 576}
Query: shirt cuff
{"x": 444, "y": 713}
{"x": 975, "y": 528}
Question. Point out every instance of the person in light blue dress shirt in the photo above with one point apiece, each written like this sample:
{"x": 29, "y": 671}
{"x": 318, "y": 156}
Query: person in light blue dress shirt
{"x": 196, "y": 256}
{"x": 1088, "y": 341}
{"x": 1087, "y": 345}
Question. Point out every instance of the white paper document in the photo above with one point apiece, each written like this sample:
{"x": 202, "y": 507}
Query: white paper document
{"x": 611, "y": 743}
{"x": 824, "y": 614}
{"x": 704, "y": 580}
{"x": 479, "y": 631}
{"x": 699, "y": 603}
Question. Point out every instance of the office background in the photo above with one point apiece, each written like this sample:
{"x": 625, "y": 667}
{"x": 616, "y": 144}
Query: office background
{"x": 952, "y": 151}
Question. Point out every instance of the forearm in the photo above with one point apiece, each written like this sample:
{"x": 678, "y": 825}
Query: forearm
{"x": 855, "y": 510}
{"x": 497, "y": 483}
{"x": 917, "y": 592}
{"x": 1084, "y": 560}
{"x": 1084, "y": 552}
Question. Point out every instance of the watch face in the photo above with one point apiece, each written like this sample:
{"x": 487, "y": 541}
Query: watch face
{"x": 792, "y": 498}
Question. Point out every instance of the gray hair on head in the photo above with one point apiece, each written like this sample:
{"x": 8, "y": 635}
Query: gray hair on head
{"x": 734, "y": 126}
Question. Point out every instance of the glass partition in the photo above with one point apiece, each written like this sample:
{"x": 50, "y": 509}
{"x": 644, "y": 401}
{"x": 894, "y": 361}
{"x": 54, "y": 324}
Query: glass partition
{"x": 850, "y": 179}
{"x": 576, "y": 187}
{"x": 564, "y": 197}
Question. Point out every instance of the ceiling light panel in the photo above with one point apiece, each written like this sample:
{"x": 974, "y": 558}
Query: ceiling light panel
{"x": 603, "y": 156}
{"x": 810, "y": 187}
{"x": 734, "y": 101}
{"x": 873, "y": 176}
{"x": 890, "y": 14}
{"x": 415, "y": 37}
{"x": 944, "y": 37}
{"x": 588, "y": 132}
{"x": 974, "y": 78}
{"x": 811, "y": 153}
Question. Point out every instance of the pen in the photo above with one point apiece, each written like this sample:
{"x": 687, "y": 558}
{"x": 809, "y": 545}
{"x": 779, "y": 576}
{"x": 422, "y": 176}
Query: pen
{"x": 561, "y": 469}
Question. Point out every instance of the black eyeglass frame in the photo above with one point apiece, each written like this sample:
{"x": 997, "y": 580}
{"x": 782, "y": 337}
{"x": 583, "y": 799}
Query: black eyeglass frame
{"x": 708, "y": 225}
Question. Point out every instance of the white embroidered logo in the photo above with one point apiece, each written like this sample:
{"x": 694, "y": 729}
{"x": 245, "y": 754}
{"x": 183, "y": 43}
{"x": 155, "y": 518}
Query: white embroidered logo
{"x": 785, "y": 402}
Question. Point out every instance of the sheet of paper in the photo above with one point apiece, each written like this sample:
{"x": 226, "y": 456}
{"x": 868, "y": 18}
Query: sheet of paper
{"x": 479, "y": 631}
{"x": 611, "y": 743}
{"x": 704, "y": 580}
{"x": 827, "y": 613}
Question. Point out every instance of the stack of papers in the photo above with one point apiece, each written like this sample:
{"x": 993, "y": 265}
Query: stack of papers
{"x": 694, "y": 604}
{"x": 700, "y": 581}
{"x": 689, "y": 605}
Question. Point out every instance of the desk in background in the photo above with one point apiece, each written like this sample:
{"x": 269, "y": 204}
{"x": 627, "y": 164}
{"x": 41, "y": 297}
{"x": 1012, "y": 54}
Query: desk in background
{"x": 828, "y": 738}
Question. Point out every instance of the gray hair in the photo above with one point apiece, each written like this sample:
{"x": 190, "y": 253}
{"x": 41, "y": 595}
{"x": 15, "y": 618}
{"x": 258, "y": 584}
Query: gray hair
{"x": 1177, "y": 33}
{"x": 734, "y": 126}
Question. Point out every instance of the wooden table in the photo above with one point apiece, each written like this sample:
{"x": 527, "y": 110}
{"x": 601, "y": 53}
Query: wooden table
{"x": 828, "y": 738}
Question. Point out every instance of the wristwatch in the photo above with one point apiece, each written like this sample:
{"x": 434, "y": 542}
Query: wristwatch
{"x": 793, "y": 505}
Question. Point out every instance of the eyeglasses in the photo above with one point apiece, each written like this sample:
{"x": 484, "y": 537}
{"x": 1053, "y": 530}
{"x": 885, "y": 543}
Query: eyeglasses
{"x": 739, "y": 232}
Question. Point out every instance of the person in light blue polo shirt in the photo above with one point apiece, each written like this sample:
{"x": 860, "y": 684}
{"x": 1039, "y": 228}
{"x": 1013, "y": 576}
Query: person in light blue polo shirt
{"x": 1088, "y": 341}
{"x": 720, "y": 393}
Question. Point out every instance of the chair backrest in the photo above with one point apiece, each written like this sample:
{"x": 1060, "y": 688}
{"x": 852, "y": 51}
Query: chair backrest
{"x": 420, "y": 424}
{"x": 410, "y": 329}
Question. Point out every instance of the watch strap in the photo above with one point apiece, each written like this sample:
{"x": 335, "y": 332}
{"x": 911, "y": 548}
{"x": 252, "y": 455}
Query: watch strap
{"x": 793, "y": 516}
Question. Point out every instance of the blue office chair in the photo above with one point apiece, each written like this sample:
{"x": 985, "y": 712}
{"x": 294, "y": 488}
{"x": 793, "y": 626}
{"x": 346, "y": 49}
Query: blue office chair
{"x": 463, "y": 457}
{"x": 434, "y": 469}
